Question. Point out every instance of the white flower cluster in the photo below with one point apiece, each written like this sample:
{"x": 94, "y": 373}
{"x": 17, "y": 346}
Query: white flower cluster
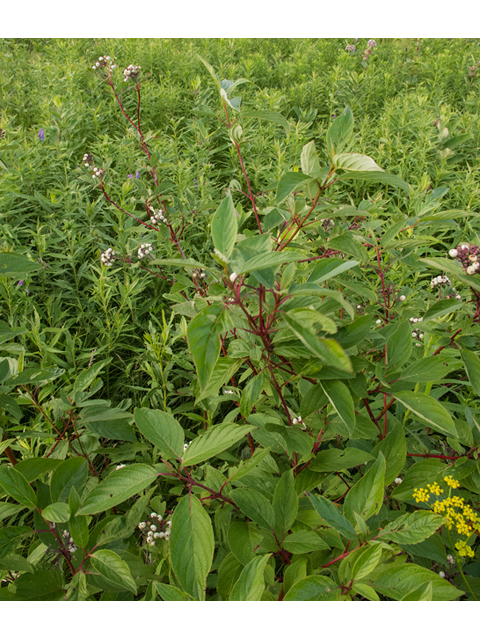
{"x": 416, "y": 320}
{"x": 231, "y": 300}
{"x": 439, "y": 280}
{"x": 350, "y": 47}
{"x": 185, "y": 446}
{"x": 199, "y": 274}
{"x": 69, "y": 541}
{"x": 227, "y": 392}
{"x": 450, "y": 559}
{"x": 469, "y": 256}
{"x": 417, "y": 335}
{"x": 152, "y": 532}
{"x": 371, "y": 43}
{"x": 297, "y": 420}
{"x": 105, "y": 61}
{"x": 328, "y": 223}
{"x": 157, "y": 216}
{"x": 108, "y": 257}
{"x": 88, "y": 160}
{"x": 145, "y": 250}
{"x": 120, "y": 466}
{"x": 131, "y": 72}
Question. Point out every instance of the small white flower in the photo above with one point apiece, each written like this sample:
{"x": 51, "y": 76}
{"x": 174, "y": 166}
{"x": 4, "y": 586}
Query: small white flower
{"x": 161, "y": 534}
{"x": 453, "y": 253}
{"x": 398, "y": 481}
{"x": 156, "y": 535}
{"x": 142, "y": 525}
{"x": 159, "y": 517}
{"x": 153, "y": 527}
{"x": 470, "y": 270}
{"x": 441, "y": 574}
{"x": 120, "y": 466}
{"x": 359, "y": 306}
{"x": 418, "y": 344}
{"x": 233, "y": 277}
{"x": 153, "y": 514}
{"x": 295, "y": 421}
{"x": 420, "y": 335}
{"x": 153, "y": 543}
{"x": 414, "y": 334}
{"x": 458, "y": 296}
{"x": 300, "y": 419}
{"x": 450, "y": 559}
{"x": 464, "y": 246}
{"x": 379, "y": 321}
{"x": 169, "y": 523}
{"x": 402, "y": 298}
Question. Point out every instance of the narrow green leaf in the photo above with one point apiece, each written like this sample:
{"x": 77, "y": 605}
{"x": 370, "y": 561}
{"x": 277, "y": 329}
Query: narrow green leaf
{"x": 472, "y": 367}
{"x": 341, "y": 400}
{"x": 394, "y": 448}
{"x": 313, "y": 588}
{"x": 339, "y": 133}
{"x": 304, "y": 542}
{"x": 366, "y": 496}
{"x": 16, "y": 265}
{"x": 169, "y": 593}
{"x": 399, "y": 344}
{"x": 289, "y": 182}
{"x": 332, "y": 516}
{"x": 269, "y": 116}
{"x": 70, "y": 473}
{"x": 285, "y": 503}
{"x": 192, "y": 544}
{"x": 375, "y": 176}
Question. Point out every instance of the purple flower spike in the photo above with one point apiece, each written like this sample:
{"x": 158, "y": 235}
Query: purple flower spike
{"x": 20, "y": 283}
{"x": 137, "y": 175}
{"x": 333, "y": 117}
{"x": 130, "y": 175}
{"x": 41, "y": 135}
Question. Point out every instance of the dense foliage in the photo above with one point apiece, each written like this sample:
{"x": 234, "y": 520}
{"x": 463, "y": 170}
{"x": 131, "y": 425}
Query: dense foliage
{"x": 239, "y": 322}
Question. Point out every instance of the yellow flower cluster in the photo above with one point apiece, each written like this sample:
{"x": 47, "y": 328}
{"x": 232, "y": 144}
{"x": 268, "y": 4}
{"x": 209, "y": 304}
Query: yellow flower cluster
{"x": 435, "y": 489}
{"x": 451, "y": 482}
{"x": 463, "y": 549}
{"x": 421, "y": 495}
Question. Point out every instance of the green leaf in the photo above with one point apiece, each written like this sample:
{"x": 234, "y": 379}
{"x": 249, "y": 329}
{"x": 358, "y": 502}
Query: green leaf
{"x": 269, "y": 116}
{"x": 360, "y": 563}
{"x": 430, "y": 369}
{"x": 224, "y": 370}
{"x": 211, "y": 71}
{"x": 449, "y": 266}
{"x": 285, "y": 503}
{"x": 192, "y": 544}
{"x": 78, "y": 525}
{"x": 309, "y": 160}
{"x": 16, "y": 265}
{"x": 472, "y": 367}
{"x": 332, "y": 516}
{"x": 341, "y": 400}
{"x": 169, "y": 593}
{"x": 203, "y": 335}
{"x": 339, "y": 132}
{"x": 366, "y": 496}
{"x": 118, "y": 487}
{"x": 399, "y": 344}
{"x": 428, "y": 410}
{"x": 269, "y": 259}
{"x": 355, "y": 162}
{"x": 224, "y": 227}
{"x": 56, "y": 512}
{"x": 111, "y": 567}
{"x": 32, "y": 468}
{"x": 250, "y": 394}
{"x": 188, "y": 263}
{"x": 15, "y": 484}
{"x": 442, "y": 308}
{"x": 364, "y": 590}
{"x": 161, "y": 429}
{"x": 70, "y": 473}
{"x": 423, "y": 593}
{"x": 11, "y": 537}
{"x": 398, "y": 581}
{"x": 304, "y": 542}
{"x": 228, "y": 573}
{"x": 331, "y": 460}
{"x": 417, "y": 476}
{"x": 313, "y": 400}
{"x": 255, "y": 506}
{"x": 213, "y": 442}
{"x": 375, "y": 176}
{"x": 330, "y": 268}
{"x": 412, "y": 528}
{"x": 346, "y": 243}
{"x": 250, "y": 585}
{"x": 243, "y": 539}
{"x": 326, "y": 349}
{"x": 394, "y": 448}
{"x": 313, "y": 588}
{"x": 42, "y": 586}
{"x": 289, "y": 182}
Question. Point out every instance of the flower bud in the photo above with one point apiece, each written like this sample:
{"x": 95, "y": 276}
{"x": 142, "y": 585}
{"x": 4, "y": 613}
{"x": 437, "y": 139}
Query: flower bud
{"x": 398, "y": 481}
{"x": 402, "y": 298}
{"x": 233, "y": 276}
{"x": 441, "y": 574}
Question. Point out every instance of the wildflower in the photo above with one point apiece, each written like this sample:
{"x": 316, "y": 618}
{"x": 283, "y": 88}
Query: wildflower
{"x": 471, "y": 270}
{"x": 453, "y": 253}
{"x": 421, "y": 495}
{"x": 142, "y": 525}
{"x": 441, "y": 574}
{"x": 451, "y": 482}
{"x": 227, "y": 392}
{"x": 414, "y": 334}
{"x": 144, "y": 250}
{"x": 41, "y": 135}
{"x": 439, "y": 280}
{"x": 131, "y": 71}
{"x": 120, "y": 466}
{"x": 420, "y": 335}
{"x": 153, "y": 527}
{"x": 157, "y": 216}
{"x": 464, "y": 550}
{"x": 379, "y": 321}
{"x": 137, "y": 175}
{"x": 350, "y": 48}
{"x": 398, "y": 481}
{"x": 417, "y": 344}
{"x": 435, "y": 489}
{"x": 108, "y": 257}
{"x": 233, "y": 276}
{"x": 20, "y": 282}
{"x": 359, "y": 306}
{"x": 450, "y": 559}
{"x": 402, "y": 298}
{"x": 371, "y": 43}
{"x": 153, "y": 514}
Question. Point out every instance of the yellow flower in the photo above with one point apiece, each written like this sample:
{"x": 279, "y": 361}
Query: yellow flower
{"x": 463, "y": 549}
{"x": 421, "y": 495}
{"x": 435, "y": 489}
{"x": 451, "y": 482}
